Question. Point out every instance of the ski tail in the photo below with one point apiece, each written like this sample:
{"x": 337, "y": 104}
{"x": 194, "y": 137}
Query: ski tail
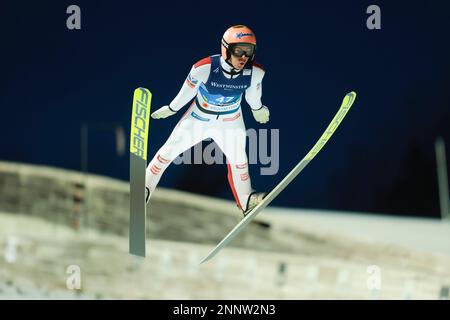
{"x": 344, "y": 108}
{"x": 138, "y": 161}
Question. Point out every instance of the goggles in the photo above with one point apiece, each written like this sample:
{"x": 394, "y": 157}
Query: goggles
{"x": 242, "y": 49}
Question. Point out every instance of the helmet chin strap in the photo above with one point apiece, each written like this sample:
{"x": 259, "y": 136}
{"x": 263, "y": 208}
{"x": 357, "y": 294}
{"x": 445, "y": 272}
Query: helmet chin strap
{"x": 233, "y": 71}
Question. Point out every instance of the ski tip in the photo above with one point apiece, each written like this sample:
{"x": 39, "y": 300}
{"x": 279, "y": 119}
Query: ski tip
{"x": 349, "y": 98}
{"x": 142, "y": 89}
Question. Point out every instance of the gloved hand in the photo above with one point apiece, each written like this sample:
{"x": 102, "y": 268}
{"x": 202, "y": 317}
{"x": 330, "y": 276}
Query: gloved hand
{"x": 261, "y": 115}
{"x": 162, "y": 113}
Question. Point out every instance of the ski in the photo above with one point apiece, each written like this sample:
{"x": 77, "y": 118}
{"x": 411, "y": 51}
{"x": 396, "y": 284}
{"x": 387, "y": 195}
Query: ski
{"x": 345, "y": 106}
{"x": 138, "y": 162}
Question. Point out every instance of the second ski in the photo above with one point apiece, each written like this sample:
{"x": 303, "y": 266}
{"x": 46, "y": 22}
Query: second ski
{"x": 345, "y": 106}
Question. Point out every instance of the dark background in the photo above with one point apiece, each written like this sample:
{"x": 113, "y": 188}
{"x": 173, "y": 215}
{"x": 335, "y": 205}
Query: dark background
{"x": 380, "y": 160}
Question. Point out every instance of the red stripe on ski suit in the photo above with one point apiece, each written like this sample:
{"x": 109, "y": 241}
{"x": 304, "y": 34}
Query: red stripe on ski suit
{"x": 202, "y": 62}
{"x": 256, "y": 64}
{"x": 230, "y": 180}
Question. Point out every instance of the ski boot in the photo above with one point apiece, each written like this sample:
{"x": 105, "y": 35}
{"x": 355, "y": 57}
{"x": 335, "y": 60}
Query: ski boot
{"x": 253, "y": 200}
{"x": 148, "y": 193}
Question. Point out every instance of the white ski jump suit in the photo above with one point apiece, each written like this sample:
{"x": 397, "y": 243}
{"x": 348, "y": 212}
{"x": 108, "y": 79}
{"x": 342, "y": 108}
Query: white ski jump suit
{"x": 215, "y": 113}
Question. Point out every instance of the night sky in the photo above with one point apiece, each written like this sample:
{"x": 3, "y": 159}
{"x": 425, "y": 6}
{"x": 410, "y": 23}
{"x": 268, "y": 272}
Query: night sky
{"x": 381, "y": 159}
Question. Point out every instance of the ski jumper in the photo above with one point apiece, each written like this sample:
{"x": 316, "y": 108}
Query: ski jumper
{"x": 215, "y": 113}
